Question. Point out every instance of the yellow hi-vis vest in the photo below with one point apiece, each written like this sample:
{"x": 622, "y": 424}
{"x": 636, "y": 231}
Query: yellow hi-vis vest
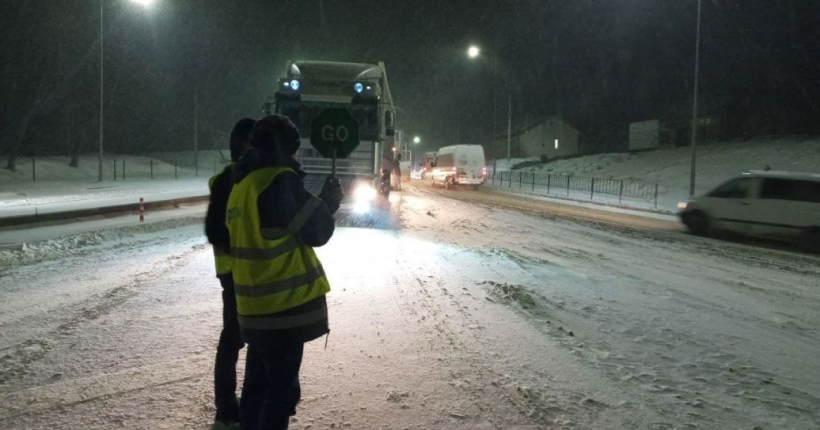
{"x": 222, "y": 258}
{"x": 273, "y": 270}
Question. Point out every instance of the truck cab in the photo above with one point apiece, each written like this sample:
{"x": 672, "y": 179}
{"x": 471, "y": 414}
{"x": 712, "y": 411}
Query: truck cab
{"x": 309, "y": 87}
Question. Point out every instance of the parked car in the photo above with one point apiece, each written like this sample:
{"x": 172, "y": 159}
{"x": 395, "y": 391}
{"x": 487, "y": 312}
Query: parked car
{"x": 459, "y": 165}
{"x": 769, "y": 204}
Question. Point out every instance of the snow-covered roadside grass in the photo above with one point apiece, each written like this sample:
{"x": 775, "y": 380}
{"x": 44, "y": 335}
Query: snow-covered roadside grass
{"x": 61, "y": 188}
{"x": 73, "y": 245}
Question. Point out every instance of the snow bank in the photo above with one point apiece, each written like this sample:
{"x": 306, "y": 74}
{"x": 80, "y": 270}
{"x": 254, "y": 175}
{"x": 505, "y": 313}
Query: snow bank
{"x": 503, "y": 164}
{"x": 80, "y": 244}
{"x": 670, "y": 167}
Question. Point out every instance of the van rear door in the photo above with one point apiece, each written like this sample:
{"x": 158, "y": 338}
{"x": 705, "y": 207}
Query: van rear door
{"x": 470, "y": 162}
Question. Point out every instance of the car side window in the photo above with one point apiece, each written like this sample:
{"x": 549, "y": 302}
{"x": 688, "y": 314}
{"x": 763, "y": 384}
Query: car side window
{"x": 789, "y": 189}
{"x": 735, "y": 189}
{"x": 445, "y": 160}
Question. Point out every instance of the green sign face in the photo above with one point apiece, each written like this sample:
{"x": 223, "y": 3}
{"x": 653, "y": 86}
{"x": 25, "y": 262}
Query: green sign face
{"x": 334, "y": 129}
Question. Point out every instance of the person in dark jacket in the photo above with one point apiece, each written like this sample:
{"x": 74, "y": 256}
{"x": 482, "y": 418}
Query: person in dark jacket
{"x": 230, "y": 341}
{"x": 268, "y": 180}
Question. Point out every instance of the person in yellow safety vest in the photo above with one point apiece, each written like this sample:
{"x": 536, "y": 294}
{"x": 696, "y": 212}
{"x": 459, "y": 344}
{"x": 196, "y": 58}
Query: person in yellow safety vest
{"x": 230, "y": 340}
{"x": 280, "y": 284}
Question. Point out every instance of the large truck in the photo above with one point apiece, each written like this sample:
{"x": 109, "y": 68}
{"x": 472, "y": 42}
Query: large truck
{"x": 308, "y": 87}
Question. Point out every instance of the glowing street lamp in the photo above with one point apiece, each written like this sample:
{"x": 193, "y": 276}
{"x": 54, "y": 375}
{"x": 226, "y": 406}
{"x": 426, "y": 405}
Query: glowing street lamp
{"x": 473, "y": 52}
{"x": 144, "y": 3}
{"x": 417, "y": 140}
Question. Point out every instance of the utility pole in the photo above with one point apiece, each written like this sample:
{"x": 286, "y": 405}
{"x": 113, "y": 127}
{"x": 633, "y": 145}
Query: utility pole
{"x": 695, "y": 108}
{"x": 493, "y": 144}
{"x": 196, "y": 130}
{"x": 509, "y": 125}
{"x": 102, "y": 91}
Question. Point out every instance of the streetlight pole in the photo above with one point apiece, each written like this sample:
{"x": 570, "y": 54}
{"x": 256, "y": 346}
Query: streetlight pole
{"x": 495, "y": 102}
{"x": 102, "y": 88}
{"x": 695, "y": 108}
{"x": 474, "y": 52}
{"x": 143, "y": 3}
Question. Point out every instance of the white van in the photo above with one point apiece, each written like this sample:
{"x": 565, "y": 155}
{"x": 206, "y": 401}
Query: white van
{"x": 459, "y": 165}
{"x": 776, "y": 205}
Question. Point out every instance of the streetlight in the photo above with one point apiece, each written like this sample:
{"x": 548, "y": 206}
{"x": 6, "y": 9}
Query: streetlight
{"x": 695, "y": 108}
{"x": 474, "y": 52}
{"x": 416, "y": 140}
{"x": 144, "y": 3}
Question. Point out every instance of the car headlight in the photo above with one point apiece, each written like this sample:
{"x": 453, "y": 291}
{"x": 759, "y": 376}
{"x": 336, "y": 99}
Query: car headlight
{"x": 683, "y": 205}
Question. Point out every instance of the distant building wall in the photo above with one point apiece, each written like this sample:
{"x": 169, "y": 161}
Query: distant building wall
{"x": 552, "y": 138}
{"x": 644, "y": 135}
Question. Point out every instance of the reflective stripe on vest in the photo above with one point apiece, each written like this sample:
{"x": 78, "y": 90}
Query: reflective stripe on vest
{"x": 270, "y": 274}
{"x": 283, "y": 322}
{"x": 222, "y": 259}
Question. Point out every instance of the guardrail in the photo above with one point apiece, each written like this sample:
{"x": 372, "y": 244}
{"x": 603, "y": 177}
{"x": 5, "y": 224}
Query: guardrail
{"x": 576, "y": 186}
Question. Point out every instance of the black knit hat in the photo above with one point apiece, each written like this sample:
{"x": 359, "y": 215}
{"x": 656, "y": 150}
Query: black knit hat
{"x": 241, "y": 137}
{"x": 276, "y": 133}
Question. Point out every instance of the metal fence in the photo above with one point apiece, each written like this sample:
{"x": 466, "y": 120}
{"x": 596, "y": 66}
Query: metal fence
{"x": 117, "y": 169}
{"x": 576, "y": 186}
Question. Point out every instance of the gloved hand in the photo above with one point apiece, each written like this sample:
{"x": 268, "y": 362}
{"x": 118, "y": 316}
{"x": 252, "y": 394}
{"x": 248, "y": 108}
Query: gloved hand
{"x": 332, "y": 193}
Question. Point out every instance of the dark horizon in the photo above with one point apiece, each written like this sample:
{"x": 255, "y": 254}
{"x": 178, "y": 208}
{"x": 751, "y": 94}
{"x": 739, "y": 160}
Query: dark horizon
{"x": 599, "y": 66}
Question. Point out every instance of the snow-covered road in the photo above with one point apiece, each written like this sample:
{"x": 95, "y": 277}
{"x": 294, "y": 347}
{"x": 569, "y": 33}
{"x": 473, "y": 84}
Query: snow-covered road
{"x": 461, "y": 311}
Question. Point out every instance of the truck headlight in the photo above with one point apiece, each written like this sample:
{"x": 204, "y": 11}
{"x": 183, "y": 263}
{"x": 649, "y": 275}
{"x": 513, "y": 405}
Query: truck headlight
{"x": 364, "y": 193}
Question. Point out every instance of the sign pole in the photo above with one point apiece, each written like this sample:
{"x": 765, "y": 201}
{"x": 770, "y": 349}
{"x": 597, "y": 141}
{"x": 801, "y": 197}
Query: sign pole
{"x": 333, "y": 163}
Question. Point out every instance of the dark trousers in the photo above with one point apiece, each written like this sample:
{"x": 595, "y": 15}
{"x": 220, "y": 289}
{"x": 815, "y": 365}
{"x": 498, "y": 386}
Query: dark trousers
{"x": 271, "y": 389}
{"x": 227, "y": 354}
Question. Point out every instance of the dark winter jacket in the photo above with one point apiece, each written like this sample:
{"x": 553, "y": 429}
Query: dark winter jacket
{"x": 215, "y": 228}
{"x": 278, "y": 205}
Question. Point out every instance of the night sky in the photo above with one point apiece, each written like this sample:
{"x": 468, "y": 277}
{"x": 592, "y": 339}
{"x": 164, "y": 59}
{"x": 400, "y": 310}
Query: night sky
{"x": 598, "y": 64}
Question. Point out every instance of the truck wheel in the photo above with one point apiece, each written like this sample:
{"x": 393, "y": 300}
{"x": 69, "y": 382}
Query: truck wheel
{"x": 697, "y": 222}
{"x": 809, "y": 240}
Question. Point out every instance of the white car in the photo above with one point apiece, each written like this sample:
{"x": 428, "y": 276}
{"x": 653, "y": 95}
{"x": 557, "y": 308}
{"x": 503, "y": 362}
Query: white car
{"x": 775, "y": 205}
{"x": 459, "y": 165}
